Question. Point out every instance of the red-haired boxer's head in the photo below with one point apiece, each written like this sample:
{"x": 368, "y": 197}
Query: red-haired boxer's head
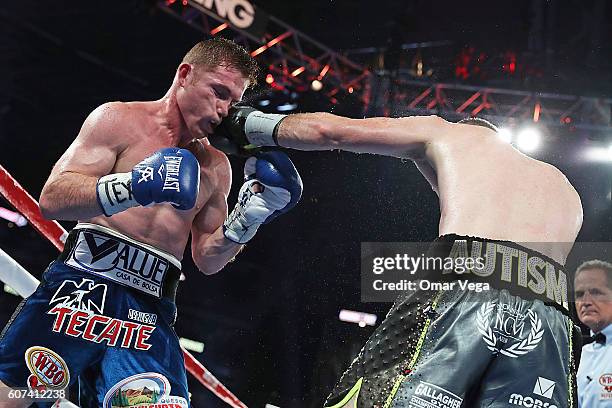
{"x": 212, "y": 76}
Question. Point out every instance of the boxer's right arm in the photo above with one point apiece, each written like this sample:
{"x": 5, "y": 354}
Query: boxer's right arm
{"x": 399, "y": 137}
{"x": 81, "y": 187}
{"x": 70, "y": 191}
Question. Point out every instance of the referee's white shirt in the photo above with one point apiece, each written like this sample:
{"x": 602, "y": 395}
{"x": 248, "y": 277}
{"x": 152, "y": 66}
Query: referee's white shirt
{"x": 595, "y": 374}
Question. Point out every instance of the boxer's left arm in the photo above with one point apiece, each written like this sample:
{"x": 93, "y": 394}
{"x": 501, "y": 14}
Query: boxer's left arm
{"x": 210, "y": 250}
{"x": 272, "y": 186}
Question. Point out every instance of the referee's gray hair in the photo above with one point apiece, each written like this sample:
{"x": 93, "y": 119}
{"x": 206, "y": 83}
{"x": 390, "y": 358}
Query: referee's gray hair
{"x": 597, "y": 264}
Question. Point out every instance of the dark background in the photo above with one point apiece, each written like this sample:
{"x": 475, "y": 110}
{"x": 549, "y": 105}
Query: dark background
{"x": 269, "y": 321}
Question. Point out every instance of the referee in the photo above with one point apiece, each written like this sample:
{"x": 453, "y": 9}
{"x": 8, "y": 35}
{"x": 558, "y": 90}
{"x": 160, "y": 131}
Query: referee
{"x": 593, "y": 287}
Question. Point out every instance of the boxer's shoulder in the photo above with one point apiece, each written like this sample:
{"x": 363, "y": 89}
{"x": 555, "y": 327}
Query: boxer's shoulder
{"x": 561, "y": 182}
{"x": 103, "y": 127}
{"x": 548, "y": 173}
{"x": 124, "y": 113}
{"x": 459, "y": 133}
{"x": 115, "y": 118}
{"x": 111, "y": 112}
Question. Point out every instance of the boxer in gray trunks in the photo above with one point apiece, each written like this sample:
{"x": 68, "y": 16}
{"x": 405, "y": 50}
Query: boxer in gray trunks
{"x": 502, "y": 347}
{"x": 450, "y": 353}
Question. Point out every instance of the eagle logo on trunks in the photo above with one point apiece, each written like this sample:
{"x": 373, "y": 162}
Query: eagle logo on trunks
{"x": 502, "y": 327}
{"x": 119, "y": 261}
{"x": 49, "y": 371}
{"x": 78, "y": 312}
{"x": 150, "y": 390}
{"x": 87, "y": 296}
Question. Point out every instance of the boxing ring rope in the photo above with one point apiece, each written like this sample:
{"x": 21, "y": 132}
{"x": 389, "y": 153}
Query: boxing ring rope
{"x": 15, "y": 276}
{"x": 28, "y": 206}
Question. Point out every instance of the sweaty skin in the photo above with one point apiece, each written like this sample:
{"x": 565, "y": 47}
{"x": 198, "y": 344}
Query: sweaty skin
{"x": 486, "y": 187}
{"x": 117, "y": 135}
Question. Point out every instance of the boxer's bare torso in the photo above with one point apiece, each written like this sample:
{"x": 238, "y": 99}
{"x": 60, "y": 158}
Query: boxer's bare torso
{"x": 486, "y": 187}
{"x": 161, "y": 225}
{"x": 116, "y": 136}
{"x": 489, "y": 189}
{"x": 212, "y": 76}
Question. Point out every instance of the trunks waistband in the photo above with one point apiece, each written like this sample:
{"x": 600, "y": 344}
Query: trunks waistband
{"x": 506, "y": 265}
{"x": 111, "y": 255}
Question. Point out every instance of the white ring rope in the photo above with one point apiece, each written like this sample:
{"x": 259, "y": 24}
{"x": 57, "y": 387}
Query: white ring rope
{"x": 15, "y": 276}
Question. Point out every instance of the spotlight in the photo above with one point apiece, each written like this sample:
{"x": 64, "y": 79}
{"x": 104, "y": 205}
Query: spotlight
{"x": 505, "y": 134}
{"x": 264, "y": 102}
{"x": 528, "y": 140}
{"x": 316, "y": 85}
{"x": 610, "y": 152}
{"x": 269, "y": 79}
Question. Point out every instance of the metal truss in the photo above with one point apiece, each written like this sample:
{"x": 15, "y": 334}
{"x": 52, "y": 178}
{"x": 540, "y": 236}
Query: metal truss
{"x": 397, "y": 97}
{"x": 292, "y": 58}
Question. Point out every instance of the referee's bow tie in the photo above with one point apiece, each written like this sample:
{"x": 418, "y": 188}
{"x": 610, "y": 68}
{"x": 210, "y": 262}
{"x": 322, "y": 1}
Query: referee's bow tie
{"x": 598, "y": 338}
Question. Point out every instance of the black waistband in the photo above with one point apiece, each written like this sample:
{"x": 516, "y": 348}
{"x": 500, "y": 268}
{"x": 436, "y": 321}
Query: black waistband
{"x": 108, "y": 245}
{"x": 507, "y": 265}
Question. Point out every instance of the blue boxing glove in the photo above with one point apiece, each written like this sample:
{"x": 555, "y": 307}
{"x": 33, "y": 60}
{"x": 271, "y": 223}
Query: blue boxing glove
{"x": 272, "y": 187}
{"x": 170, "y": 175}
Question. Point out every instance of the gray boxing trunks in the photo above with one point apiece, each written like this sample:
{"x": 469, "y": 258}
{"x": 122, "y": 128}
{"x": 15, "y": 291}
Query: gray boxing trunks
{"x": 513, "y": 345}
